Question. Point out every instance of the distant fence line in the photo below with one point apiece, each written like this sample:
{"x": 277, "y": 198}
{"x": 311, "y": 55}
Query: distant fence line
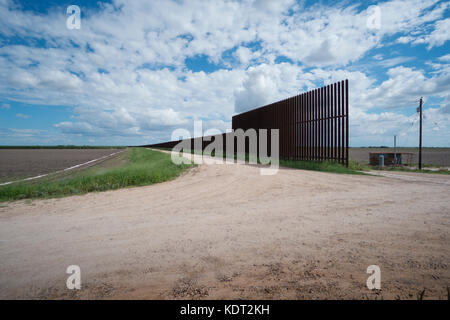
{"x": 312, "y": 125}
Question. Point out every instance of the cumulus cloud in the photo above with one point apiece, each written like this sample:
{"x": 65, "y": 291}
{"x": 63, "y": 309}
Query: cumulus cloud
{"x": 257, "y": 90}
{"x": 125, "y": 73}
{"x": 438, "y": 37}
{"x": 245, "y": 55}
{"x": 405, "y": 86}
{"x": 268, "y": 83}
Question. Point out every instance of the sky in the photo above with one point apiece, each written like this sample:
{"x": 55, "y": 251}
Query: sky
{"x": 137, "y": 70}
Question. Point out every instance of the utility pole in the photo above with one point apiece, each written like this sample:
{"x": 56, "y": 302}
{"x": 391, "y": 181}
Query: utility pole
{"x": 420, "y": 134}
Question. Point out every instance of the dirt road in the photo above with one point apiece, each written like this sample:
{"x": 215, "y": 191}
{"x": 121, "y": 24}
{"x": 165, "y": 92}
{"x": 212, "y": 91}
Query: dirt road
{"x": 225, "y": 231}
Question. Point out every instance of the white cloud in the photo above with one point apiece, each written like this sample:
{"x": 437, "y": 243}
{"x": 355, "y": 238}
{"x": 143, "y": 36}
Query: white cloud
{"x": 23, "y": 116}
{"x": 22, "y": 79}
{"x": 405, "y": 39}
{"x": 445, "y": 58}
{"x": 386, "y": 63}
{"x": 268, "y": 83}
{"x": 405, "y": 86}
{"x": 246, "y": 55}
{"x": 147, "y": 90}
{"x": 438, "y": 37}
{"x": 257, "y": 90}
{"x": 78, "y": 127}
{"x": 5, "y": 106}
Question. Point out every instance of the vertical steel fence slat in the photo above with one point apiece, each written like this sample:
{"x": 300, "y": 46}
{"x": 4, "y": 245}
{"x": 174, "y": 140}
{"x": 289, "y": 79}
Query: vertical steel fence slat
{"x": 303, "y": 154}
{"x": 319, "y": 122}
{"x": 335, "y": 121}
{"x": 292, "y": 123}
{"x": 310, "y": 126}
{"x": 297, "y": 131}
{"x": 316, "y": 124}
{"x": 339, "y": 122}
{"x": 342, "y": 124}
{"x": 324, "y": 124}
{"x": 302, "y": 126}
{"x": 328, "y": 123}
{"x": 313, "y": 122}
{"x": 346, "y": 124}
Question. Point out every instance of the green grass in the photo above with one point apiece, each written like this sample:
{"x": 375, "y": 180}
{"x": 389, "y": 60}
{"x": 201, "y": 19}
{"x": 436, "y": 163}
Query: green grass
{"x": 406, "y": 169}
{"x": 143, "y": 167}
{"x": 325, "y": 166}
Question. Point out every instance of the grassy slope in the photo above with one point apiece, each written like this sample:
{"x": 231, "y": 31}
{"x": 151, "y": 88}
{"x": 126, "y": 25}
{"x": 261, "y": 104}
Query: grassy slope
{"x": 325, "y": 166}
{"x": 143, "y": 167}
{"x": 405, "y": 169}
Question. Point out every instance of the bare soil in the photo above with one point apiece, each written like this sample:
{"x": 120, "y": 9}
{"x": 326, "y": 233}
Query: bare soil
{"x": 430, "y": 156}
{"x": 226, "y": 232}
{"x": 24, "y": 163}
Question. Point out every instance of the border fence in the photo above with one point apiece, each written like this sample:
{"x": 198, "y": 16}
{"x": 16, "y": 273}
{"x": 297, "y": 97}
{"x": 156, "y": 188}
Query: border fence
{"x": 312, "y": 126}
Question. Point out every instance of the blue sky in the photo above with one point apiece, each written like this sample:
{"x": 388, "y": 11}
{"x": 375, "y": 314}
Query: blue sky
{"x": 138, "y": 70}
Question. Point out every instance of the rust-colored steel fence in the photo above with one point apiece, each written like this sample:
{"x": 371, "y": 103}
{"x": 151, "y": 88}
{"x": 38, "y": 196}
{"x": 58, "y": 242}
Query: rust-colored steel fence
{"x": 312, "y": 126}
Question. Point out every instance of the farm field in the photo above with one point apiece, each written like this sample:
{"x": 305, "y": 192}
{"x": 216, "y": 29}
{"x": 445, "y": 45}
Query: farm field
{"x": 129, "y": 167}
{"x": 430, "y": 156}
{"x": 24, "y": 163}
{"x": 226, "y": 232}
